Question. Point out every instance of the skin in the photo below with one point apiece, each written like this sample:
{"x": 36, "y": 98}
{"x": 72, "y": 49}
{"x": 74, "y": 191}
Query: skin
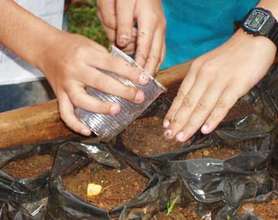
{"x": 70, "y": 63}
{"x": 217, "y": 80}
{"x": 136, "y": 26}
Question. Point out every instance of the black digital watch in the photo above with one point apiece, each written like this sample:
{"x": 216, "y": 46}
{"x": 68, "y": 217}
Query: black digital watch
{"x": 261, "y": 22}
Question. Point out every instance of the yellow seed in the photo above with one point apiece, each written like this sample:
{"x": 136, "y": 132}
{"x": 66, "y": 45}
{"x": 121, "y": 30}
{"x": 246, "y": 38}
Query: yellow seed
{"x": 93, "y": 189}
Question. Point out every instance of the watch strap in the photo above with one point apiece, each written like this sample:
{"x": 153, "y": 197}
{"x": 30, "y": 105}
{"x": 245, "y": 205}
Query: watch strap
{"x": 273, "y": 34}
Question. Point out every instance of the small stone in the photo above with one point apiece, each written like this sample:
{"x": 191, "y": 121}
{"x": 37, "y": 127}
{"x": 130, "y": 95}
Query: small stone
{"x": 205, "y": 153}
{"x": 93, "y": 189}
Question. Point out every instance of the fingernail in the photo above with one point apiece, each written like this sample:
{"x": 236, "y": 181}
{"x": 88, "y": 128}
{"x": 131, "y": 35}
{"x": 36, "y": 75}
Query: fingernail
{"x": 139, "y": 98}
{"x": 144, "y": 79}
{"x": 205, "y": 129}
{"x": 181, "y": 137}
{"x": 115, "y": 109}
{"x": 168, "y": 134}
{"x": 85, "y": 132}
{"x": 166, "y": 123}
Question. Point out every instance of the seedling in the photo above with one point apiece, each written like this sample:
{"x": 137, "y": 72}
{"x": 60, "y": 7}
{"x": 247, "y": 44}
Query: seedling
{"x": 171, "y": 205}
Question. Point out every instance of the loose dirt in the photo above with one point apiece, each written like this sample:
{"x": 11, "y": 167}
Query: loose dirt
{"x": 145, "y": 137}
{"x": 221, "y": 153}
{"x": 265, "y": 210}
{"x": 118, "y": 186}
{"x": 29, "y": 167}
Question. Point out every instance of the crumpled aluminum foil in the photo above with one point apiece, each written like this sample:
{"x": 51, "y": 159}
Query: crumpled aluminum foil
{"x": 107, "y": 126}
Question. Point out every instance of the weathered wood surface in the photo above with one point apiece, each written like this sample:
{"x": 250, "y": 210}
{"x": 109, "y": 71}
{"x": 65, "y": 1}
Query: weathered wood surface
{"x": 42, "y": 122}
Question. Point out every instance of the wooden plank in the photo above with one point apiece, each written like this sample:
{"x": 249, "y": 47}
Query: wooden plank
{"x": 42, "y": 122}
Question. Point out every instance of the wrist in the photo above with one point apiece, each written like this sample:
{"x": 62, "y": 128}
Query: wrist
{"x": 259, "y": 42}
{"x": 45, "y": 48}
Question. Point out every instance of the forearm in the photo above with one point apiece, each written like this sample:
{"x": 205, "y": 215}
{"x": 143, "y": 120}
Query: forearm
{"x": 271, "y": 5}
{"x": 23, "y": 33}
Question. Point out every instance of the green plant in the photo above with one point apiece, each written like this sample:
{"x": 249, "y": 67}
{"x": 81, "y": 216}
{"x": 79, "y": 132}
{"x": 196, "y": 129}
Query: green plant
{"x": 171, "y": 205}
{"x": 82, "y": 19}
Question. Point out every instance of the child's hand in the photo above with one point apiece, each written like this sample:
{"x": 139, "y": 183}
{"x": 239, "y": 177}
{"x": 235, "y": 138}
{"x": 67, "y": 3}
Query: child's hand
{"x": 215, "y": 82}
{"x": 71, "y": 63}
{"x": 137, "y": 26}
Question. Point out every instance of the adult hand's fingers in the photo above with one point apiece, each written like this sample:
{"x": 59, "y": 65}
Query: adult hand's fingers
{"x": 224, "y": 104}
{"x": 146, "y": 27}
{"x": 189, "y": 103}
{"x": 107, "y": 12}
{"x": 125, "y": 21}
{"x": 162, "y": 56}
{"x": 201, "y": 111}
{"x": 96, "y": 79}
{"x": 67, "y": 114}
{"x": 130, "y": 49}
{"x": 154, "y": 57}
{"x": 106, "y": 61}
{"x": 110, "y": 32}
{"x": 185, "y": 87}
{"x": 79, "y": 98}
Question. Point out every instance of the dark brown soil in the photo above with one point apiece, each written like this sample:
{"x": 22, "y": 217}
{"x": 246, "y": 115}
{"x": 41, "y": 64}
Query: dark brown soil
{"x": 179, "y": 214}
{"x": 29, "y": 167}
{"x": 240, "y": 109}
{"x": 221, "y": 153}
{"x": 265, "y": 211}
{"x": 118, "y": 186}
{"x": 145, "y": 137}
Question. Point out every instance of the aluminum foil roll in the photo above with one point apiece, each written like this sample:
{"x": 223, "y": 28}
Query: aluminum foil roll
{"x": 107, "y": 126}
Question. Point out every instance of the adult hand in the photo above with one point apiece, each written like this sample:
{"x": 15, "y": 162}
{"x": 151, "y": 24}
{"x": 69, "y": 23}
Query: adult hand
{"x": 136, "y": 26}
{"x": 71, "y": 63}
{"x": 215, "y": 82}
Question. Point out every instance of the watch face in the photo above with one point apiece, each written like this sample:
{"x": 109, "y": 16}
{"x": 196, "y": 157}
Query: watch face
{"x": 256, "y": 20}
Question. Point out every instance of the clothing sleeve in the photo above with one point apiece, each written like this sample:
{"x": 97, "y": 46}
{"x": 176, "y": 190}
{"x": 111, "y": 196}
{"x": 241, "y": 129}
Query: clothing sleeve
{"x": 244, "y": 6}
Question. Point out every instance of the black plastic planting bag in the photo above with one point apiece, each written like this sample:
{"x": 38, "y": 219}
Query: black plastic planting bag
{"x": 219, "y": 187}
{"x": 225, "y": 183}
{"x": 74, "y": 156}
{"x": 24, "y": 198}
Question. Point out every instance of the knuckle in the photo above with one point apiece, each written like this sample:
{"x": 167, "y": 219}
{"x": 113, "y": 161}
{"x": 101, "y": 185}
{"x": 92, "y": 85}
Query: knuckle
{"x": 176, "y": 123}
{"x": 196, "y": 64}
{"x": 207, "y": 69}
{"x": 154, "y": 58}
{"x": 77, "y": 53}
{"x": 143, "y": 34}
{"x": 190, "y": 125}
{"x": 108, "y": 22}
{"x": 68, "y": 69}
{"x": 130, "y": 93}
{"x": 187, "y": 102}
{"x": 153, "y": 16}
{"x": 142, "y": 55}
{"x": 181, "y": 94}
{"x": 215, "y": 118}
{"x": 103, "y": 107}
{"x": 75, "y": 99}
{"x": 222, "y": 104}
{"x": 201, "y": 107}
{"x": 97, "y": 80}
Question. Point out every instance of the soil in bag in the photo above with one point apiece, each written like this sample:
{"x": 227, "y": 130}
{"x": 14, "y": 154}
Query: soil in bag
{"x": 30, "y": 167}
{"x": 117, "y": 186}
{"x": 24, "y": 181}
{"x": 219, "y": 152}
{"x": 265, "y": 210}
{"x": 145, "y": 137}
